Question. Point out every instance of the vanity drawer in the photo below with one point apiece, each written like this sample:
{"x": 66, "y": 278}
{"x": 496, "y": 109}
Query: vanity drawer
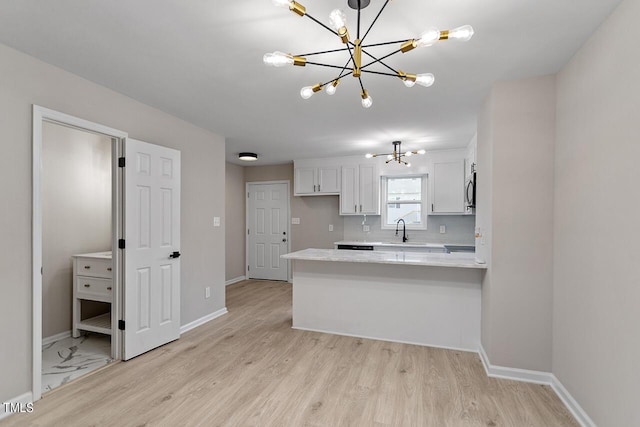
{"x": 94, "y": 267}
{"x": 94, "y": 289}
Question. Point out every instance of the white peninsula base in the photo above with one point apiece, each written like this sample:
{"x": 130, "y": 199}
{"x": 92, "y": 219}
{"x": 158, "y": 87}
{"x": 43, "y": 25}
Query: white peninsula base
{"x": 416, "y": 304}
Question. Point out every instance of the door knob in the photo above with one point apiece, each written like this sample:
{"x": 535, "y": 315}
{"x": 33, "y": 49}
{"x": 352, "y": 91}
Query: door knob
{"x": 175, "y": 255}
{"x": 284, "y": 240}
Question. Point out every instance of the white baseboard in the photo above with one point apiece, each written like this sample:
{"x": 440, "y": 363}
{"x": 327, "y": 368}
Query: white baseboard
{"x": 203, "y": 320}
{"x": 56, "y": 337}
{"x": 538, "y": 377}
{"x": 236, "y": 280}
{"x": 22, "y": 399}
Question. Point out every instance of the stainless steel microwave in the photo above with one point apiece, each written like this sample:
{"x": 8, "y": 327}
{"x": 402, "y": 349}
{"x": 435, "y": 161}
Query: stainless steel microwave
{"x": 470, "y": 192}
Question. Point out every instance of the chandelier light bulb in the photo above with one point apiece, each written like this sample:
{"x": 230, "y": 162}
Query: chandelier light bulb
{"x": 338, "y": 19}
{"x": 408, "y": 165}
{"x": 425, "y": 79}
{"x": 428, "y": 37}
{"x": 422, "y": 151}
{"x": 368, "y": 155}
{"x": 306, "y": 92}
{"x": 331, "y": 88}
{"x": 277, "y": 59}
{"x": 409, "y": 83}
{"x": 463, "y": 33}
{"x": 282, "y": 3}
{"x": 389, "y": 157}
{"x": 367, "y": 101}
{"x": 408, "y": 154}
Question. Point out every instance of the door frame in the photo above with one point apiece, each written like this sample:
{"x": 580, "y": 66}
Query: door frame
{"x": 246, "y": 223}
{"x": 40, "y": 116}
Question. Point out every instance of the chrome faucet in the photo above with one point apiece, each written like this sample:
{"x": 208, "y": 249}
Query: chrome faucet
{"x": 404, "y": 230}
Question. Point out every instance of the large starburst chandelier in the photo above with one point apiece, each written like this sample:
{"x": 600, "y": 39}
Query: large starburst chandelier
{"x": 356, "y": 48}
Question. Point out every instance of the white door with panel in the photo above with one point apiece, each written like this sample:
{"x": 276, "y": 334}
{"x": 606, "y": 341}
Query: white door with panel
{"x": 152, "y": 238}
{"x": 268, "y": 235}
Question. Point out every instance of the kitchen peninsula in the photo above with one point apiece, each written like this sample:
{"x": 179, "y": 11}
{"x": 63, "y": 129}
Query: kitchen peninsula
{"x": 418, "y": 298}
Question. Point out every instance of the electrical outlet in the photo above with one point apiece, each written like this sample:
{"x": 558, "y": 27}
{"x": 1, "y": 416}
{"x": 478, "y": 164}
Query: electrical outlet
{"x": 365, "y": 228}
{"x": 443, "y": 229}
{"x": 216, "y": 221}
{"x": 207, "y": 292}
{"x": 330, "y": 227}
{"x": 295, "y": 221}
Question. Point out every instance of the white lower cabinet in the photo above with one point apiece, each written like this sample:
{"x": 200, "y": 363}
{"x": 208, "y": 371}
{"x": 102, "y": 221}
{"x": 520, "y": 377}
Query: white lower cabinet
{"x": 360, "y": 190}
{"x": 92, "y": 281}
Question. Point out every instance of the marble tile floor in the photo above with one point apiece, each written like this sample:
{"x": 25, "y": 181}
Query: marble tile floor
{"x": 70, "y": 358}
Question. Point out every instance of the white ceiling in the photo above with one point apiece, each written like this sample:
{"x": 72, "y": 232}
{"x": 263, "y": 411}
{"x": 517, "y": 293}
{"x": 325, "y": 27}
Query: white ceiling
{"x": 202, "y": 61}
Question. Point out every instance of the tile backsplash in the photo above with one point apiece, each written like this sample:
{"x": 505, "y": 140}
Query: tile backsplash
{"x": 460, "y": 229}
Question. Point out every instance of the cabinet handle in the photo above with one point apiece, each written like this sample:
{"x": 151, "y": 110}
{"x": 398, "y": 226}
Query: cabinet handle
{"x": 87, "y": 267}
{"x": 109, "y": 288}
{"x": 318, "y": 188}
{"x": 86, "y": 285}
{"x": 360, "y": 208}
{"x": 314, "y": 188}
{"x": 108, "y": 268}
{"x": 355, "y": 208}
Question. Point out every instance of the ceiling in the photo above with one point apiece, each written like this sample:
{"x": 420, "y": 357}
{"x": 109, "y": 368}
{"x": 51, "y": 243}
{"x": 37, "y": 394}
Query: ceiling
{"x": 202, "y": 61}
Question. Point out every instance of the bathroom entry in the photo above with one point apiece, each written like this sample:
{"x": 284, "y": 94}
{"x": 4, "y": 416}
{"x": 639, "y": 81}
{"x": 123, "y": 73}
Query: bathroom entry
{"x": 77, "y": 235}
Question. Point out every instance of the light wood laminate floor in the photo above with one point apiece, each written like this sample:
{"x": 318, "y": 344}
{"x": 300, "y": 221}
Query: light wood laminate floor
{"x": 249, "y": 368}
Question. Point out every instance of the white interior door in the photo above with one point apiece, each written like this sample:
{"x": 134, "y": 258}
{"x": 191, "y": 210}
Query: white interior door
{"x": 152, "y": 239}
{"x": 268, "y": 236}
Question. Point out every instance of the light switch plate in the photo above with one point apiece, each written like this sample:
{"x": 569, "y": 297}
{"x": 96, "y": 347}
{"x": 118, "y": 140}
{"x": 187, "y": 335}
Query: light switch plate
{"x": 443, "y": 229}
{"x": 207, "y": 292}
{"x": 330, "y": 227}
{"x": 365, "y": 228}
{"x": 216, "y": 221}
{"x": 295, "y": 221}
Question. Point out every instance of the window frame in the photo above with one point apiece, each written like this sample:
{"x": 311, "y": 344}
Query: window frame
{"x": 384, "y": 202}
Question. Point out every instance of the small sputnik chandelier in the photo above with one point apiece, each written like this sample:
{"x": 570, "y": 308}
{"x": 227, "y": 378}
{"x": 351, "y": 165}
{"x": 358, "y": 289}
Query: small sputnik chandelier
{"x": 397, "y": 155}
{"x": 356, "y": 48}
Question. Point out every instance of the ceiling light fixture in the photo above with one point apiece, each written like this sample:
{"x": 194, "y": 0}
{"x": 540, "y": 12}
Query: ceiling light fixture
{"x": 248, "y": 157}
{"x": 356, "y": 48}
{"x": 397, "y": 154}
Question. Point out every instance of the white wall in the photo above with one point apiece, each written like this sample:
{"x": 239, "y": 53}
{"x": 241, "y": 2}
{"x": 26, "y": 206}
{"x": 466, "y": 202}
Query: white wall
{"x": 235, "y": 229}
{"x": 596, "y": 311}
{"x": 76, "y": 215}
{"x": 26, "y": 81}
{"x": 516, "y": 139}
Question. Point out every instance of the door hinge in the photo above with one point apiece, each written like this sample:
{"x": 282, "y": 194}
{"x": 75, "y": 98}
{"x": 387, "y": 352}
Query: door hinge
{"x": 248, "y": 231}
{"x": 121, "y": 244}
{"x": 121, "y": 325}
{"x": 121, "y": 162}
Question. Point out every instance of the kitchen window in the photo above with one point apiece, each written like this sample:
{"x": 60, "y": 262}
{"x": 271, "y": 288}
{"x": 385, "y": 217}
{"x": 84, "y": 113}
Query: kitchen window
{"x": 404, "y": 197}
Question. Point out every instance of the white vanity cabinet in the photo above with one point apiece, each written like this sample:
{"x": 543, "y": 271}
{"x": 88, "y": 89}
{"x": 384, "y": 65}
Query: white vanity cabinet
{"x": 314, "y": 180}
{"x": 360, "y": 193}
{"x": 92, "y": 281}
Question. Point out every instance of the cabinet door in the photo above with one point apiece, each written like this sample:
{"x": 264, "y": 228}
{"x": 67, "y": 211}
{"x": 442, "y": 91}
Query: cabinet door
{"x": 369, "y": 190}
{"x": 305, "y": 181}
{"x": 349, "y": 194}
{"x": 448, "y": 187}
{"x": 329, "y": 180}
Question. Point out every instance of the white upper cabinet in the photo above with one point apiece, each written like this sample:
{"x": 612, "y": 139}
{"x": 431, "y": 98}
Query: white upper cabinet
{"x": 360, "y": 193}
{"x": 313, "y": 180}
{"x": 447, "y": 183}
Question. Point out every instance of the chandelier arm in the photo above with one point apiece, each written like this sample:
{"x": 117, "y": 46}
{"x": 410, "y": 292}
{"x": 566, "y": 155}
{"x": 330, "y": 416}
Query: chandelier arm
{"x": 343, "y": 73}
{"x": 380, "y": 60}
{"x": 329, "y": 65}
{"x": 381, "y": 73}
{"x": 373, "y": 57}
{"x": 361, "y": 85}
{"x": 375, "y": 19}
{"x": 358, "y": 35}
{"x": 352, "y": 60}
{"x": 323, "y": 52}
{"x": 321, "y": 24}
{"x": 386, "y": 43}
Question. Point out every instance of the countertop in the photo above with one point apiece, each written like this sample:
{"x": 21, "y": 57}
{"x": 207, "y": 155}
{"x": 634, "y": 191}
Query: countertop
{"x": 391, "y": 244}
{"x": 99, "y": 255}
{"x": 458, "y": 260}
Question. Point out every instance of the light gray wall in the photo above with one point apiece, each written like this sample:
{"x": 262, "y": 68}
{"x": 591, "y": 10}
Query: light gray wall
{"x": 235, "y": 234}
{"x": 315, "y": 212}
{"x": 596, "y": 307}
{"x": 76, "y": 215}
{"x": 518, "y": 283}
{"x": 27, "y": 81}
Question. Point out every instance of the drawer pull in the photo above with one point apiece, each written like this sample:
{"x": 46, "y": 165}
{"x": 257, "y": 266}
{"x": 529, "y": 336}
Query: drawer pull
{"x": 108, "y": 268}
{"x": 109, "y": 288}
{"x": 87, "y": 267}
{"x": 86, "y": 285}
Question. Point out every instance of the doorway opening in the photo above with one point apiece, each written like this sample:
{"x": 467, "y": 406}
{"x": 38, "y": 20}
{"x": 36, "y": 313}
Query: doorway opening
{"x": 77, "y": 218}
{"x": 268, "y": 234}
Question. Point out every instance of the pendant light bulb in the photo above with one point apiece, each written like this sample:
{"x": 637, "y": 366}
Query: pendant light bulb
{"x": 367, "y": 101}
{"x": 463, "y": 33}
{"x": 368, "y": 155}
{"x": 331, "y": 88}
{"x": 409, "y": 83}
{"x": 389, "y": 157}
{"x": 338, "y": 19}
{"x": 306, "y": 92}
{"x": 408, "y": 154}
{"x": 425, "y": 79}
{"x": 428, "y": 37}
{"x": 282, "y": 3}
{"x": 408, "y": 165}
{"x": 422, "y": 151}
{"x": 277, "y": 59}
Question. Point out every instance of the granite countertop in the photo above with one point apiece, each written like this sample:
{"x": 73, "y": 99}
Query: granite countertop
{"x": 392, "y": 244}
{"x": 459, "y": 260}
